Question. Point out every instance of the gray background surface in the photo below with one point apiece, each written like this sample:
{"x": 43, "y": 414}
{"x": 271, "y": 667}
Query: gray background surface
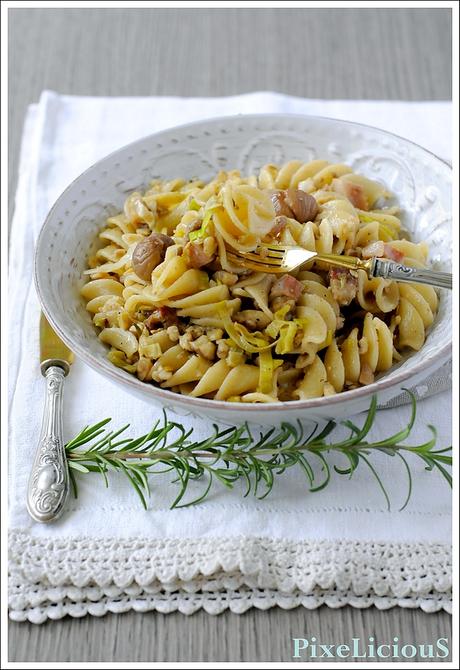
{"x": 401, "y": 54}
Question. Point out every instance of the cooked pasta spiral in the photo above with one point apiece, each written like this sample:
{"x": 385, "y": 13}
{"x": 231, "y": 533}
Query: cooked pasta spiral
{"x": 353, "y": 362}
{"x": 416, "y": 311}
{"x": 376, "y": 295}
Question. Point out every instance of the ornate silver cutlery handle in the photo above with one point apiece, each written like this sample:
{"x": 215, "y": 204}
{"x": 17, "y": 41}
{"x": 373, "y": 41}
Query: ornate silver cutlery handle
{"x": 49, "y": 480}
{"x": 398, "y": 272}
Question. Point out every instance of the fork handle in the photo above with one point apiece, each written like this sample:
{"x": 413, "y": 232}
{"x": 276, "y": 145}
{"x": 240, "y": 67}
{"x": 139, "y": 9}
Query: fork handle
{"x": 403, "y": 273}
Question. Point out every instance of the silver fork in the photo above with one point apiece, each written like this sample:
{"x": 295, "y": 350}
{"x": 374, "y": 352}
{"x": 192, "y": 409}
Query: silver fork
{"x": 279, "y": 259}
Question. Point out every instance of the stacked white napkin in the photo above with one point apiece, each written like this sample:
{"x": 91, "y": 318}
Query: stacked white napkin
{"x": 339, "y": 546}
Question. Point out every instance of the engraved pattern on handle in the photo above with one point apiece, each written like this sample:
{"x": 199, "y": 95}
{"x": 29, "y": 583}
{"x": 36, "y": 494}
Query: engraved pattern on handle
{"x": 399, "y": 272}
{"x": 49, "y": 479}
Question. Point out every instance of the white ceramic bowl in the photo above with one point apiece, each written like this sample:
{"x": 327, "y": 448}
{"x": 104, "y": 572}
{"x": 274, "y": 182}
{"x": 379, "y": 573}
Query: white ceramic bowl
{"x": 420, "y": 181}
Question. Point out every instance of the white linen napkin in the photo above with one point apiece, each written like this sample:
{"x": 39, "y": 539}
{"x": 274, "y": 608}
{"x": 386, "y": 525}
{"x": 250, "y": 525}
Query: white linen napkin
{"x": 106, "y": 553}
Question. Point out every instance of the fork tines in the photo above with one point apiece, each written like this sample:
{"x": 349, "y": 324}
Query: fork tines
{"x": 267, "y": 259}
{"x": 255, "y": 262}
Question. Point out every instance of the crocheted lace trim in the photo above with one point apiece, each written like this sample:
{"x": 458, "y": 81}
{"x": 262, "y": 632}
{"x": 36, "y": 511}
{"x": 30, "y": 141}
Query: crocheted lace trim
{"x": 237, "y": 601}
{"x": 50, "y": 578}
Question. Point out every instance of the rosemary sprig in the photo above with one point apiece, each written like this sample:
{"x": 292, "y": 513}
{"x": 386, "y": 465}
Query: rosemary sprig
{"x": 232, "y": 454}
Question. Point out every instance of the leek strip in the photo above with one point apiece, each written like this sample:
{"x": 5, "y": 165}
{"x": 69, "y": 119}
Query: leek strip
{"x": 194, "y": 205}
{"x": 267, "y": 366}
{"x": 240, "y": 335}
{"x": 203, "y": 231}
{"x": 285, "y": 344}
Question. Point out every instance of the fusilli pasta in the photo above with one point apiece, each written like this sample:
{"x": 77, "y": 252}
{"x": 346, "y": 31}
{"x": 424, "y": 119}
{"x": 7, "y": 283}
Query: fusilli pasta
{"x": 175, "y": 310}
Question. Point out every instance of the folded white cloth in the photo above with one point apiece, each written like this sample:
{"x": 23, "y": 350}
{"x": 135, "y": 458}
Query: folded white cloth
{"x": 337, "y": 546}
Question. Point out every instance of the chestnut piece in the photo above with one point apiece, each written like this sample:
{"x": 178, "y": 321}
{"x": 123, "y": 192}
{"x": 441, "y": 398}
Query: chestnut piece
{"x": 303, "y": 205}
{"x": 149, "y": 253}
{"x": 295, "y": 204}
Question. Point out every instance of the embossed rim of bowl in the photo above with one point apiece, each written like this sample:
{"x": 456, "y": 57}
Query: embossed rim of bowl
{"x": 149, "y": 390}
